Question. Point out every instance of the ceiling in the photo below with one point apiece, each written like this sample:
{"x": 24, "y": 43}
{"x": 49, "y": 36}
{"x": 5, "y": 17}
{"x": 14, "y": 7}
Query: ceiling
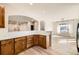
{"x": 45, "y": 10}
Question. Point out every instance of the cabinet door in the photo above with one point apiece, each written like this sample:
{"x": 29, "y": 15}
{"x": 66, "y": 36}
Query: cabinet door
{"x": 7, "y": 47}
{"x": 46, "y": 41}
{"x": 36, "y": 38}
{"x": 44, "y": 45}
{"x": 2, "y": 14}
{"x": 20, "y": 44}
{"x": 40, "y": 42}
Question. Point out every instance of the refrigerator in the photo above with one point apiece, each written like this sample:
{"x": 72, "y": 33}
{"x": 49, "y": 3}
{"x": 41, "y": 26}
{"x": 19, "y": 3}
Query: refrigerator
{"x": 77, "y": 38}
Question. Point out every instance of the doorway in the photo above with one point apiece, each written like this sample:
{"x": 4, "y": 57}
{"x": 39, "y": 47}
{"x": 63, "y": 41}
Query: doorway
{"x": 32, "y": 27}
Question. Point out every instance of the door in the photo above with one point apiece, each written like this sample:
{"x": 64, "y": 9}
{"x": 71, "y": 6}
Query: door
{"x": 35, "y": 39}
{"x": 77, "y": 41}
{"x": 32, "y": 27}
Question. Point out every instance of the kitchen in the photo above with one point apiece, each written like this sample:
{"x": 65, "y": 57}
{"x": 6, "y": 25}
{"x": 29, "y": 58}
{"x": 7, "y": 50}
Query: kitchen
{"x": 26, "y": 26}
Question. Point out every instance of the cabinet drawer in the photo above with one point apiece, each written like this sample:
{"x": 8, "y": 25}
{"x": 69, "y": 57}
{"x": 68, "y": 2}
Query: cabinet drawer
{"x": 29, "y": 37}
{"x": 6, "y": 41}
{"x": 30, "y": 41}
{"x": 20, "y": 38}
{"x": 29, "y": 45}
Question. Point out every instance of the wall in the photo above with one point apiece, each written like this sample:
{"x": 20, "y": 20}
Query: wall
{"x": 47, "y": 12}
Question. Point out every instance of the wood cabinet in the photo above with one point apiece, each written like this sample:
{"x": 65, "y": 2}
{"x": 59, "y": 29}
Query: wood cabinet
{"x": 2, "y": 17}
{"x": 44, "y": 44}
{"x": 35, "y": 39}
{"x": 29, "y": 41}
{"x": 7, "y": 47}
{"x": 20, "y": 44}
{"x": 16, "y": 45}
{"x": 42, "y": 41}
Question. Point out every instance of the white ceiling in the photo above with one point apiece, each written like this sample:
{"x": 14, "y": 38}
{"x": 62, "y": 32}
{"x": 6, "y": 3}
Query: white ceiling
{"x": 48, "y": 7}
{"x": 45, "y": 11}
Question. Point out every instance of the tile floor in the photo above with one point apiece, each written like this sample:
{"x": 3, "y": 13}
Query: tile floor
{"x": 60, "y": 46}
{"x": 65, "y": 45}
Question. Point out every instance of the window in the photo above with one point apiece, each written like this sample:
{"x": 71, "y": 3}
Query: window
{"x": 64, "y": 27}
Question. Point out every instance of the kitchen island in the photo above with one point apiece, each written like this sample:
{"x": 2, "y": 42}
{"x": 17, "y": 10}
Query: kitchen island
{"x": 15, "y": 42}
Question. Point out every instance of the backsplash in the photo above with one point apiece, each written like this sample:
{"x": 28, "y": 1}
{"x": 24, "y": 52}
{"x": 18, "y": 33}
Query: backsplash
{"x": 21, "y": 23}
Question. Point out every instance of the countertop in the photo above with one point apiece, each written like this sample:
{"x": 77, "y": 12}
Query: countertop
{"x": 10, "y": 35}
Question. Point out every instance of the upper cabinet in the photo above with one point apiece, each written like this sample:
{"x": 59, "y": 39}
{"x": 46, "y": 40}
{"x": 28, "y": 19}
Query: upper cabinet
{"x": 2, "y": 14}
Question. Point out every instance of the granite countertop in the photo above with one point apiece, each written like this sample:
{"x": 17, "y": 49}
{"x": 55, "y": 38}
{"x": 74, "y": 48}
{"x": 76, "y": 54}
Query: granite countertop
{"x": 10, "y": 35}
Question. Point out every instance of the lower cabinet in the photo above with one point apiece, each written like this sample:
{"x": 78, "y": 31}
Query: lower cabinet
{"x": 42, "y": 41}
{"x": 7, "y": 47}
{"x": 20, "y": 44}
{"x": 29, "y": 41}
{"x": 35, "y": 39}
{"x": 29, "y": 45}
{"x": 16, "y": 45}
